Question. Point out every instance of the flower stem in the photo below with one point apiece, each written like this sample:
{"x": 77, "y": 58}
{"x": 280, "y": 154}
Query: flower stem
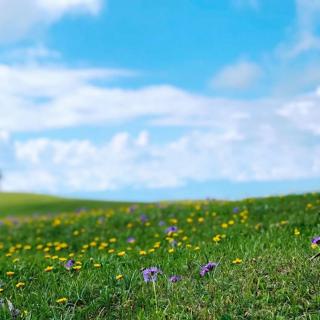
{"x": 155, "y": 295}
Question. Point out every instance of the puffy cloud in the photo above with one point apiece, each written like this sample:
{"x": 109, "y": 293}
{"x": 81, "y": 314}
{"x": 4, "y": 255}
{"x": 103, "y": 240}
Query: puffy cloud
{"x": 240, "y": 76}
{"x": 238, "y": 140}
{"x": 271, "y": 153}
{"x": 304, "y": 112}
{"x": 29, "y": 15}
{"x": 4, "y": 136}
{"x": 306, "y": 37}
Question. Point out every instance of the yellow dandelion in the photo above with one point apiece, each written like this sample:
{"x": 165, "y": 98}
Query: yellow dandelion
{"x": 48, "y": 269}
{"x": 76, "y": 267}
{"x": 10, "y": 273}
{"x": 20, "y": 285}
{"x": 237, "y": 261}
{"x": 62, "y": 300}
{"x": 97, "y": 265}
{"x": 119, "y": 277}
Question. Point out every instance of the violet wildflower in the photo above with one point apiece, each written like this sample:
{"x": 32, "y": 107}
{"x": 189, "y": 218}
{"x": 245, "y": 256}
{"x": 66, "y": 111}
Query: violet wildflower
{"x": 172, "y": 229}
{"x": 161, "y": 223}
{"x": 316, "y": 240}
{"x": 175, "y": 278}
{"x": 69, "y": 264}
{"x": 151, "y": 274}
{"x": 206, "y": 268}
{"x": 131, "y": 240}
{"x": 235, "y": 210}
{"x": 132, "y": 208}
{"x": 143, "y": 218}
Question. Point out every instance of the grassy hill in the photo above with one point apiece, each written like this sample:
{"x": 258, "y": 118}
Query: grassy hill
{"x": 247, "y": 260}
{"x": 26, "y": 204}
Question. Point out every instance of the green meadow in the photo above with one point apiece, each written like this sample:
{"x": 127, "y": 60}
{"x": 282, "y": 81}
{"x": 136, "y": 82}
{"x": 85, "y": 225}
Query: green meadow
{"x": 78, "y": 259}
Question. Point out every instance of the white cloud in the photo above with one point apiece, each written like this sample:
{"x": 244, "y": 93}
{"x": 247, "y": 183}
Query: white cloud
{"x": 240, "y": 76}
{"x": 256, "y": 140}
{"x": 19, "y": 18}
{"x": 304, "y": 113}
{"x": 4, "y": 136}
{"x": 306, "y": 37}
{"x": 236, "y": 154}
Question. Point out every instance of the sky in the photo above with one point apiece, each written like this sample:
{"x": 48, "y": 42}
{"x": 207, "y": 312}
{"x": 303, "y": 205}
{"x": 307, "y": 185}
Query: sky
{"x": 151, "y": 100}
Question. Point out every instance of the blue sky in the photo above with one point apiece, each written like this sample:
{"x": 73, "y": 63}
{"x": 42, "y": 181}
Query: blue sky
{"x": 150, "y": 100}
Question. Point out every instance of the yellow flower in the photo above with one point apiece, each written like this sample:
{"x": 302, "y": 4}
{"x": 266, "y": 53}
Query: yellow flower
{"x": 171, "y": 250}
{"x": 111, "y": 251}
{"x": 1, "y": 290}
{"x": 142, "y": 253}
{"x": 314, "y": 245}
{"x": 10, "y": 273}
{"x": 112, "y": 240}
{"x": 76, "y": 268}
{"x": 97, "y": 265}
{"x": 93, "y": 244}
{"x": 224, "y": 225}
{"x": 296, "y": 232}
{"x": 48, "y": 269}
{"x": 121, "y": 253}
{"x": 62, "y": 300}
{"x": 217, "y": 238}
{"x": 309, "y": 206}
{"x": 237, "y": 261}
{"x": 20, "y": 284}
{"x": 119, "y": 277}
{"x": 231, "y": 222}
{"x": 201, "y": 220}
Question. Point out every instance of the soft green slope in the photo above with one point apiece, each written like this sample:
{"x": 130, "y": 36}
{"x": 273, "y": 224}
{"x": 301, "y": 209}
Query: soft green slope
{"x": 24, "y": 203}
{"x": 259, "y": 252}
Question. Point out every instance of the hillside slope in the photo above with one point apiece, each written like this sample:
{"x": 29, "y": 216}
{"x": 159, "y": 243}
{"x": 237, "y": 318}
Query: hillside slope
{"x": 25, "y": 203}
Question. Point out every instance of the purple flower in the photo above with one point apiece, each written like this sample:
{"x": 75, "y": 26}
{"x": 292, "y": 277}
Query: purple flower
{"x": 316, "y": 240}
{"x": 151, "y": 274}
{"x": 131, "y": 240}
{"x": 132, "y": 208}
{"x": 172, "y": 229}
{"x": 235, "y": 210}
{"x": 175, "y": 278}
{"x": 206, "y": 268}
{"x": 143, "y": 218}
{"x": 69, "y": 264}
{"x": 161, "y": 223}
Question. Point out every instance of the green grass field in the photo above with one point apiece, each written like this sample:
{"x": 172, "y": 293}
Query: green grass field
{"x": 27, "y": 204}
{"x": 262, "y": 248}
